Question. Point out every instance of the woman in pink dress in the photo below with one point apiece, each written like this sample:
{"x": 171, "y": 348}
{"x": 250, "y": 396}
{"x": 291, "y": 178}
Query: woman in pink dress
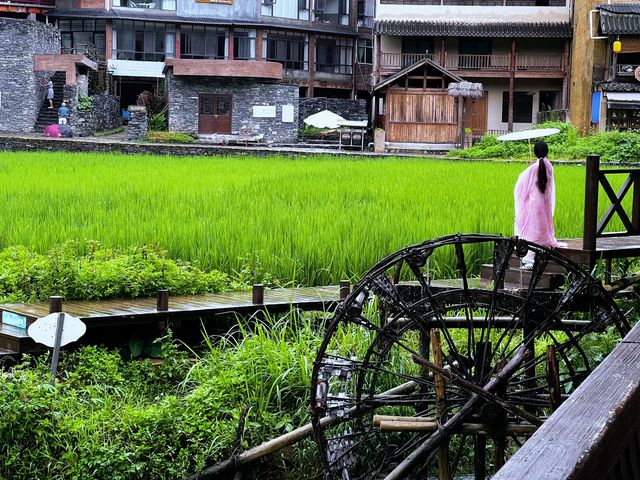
{"x": 535, "y": 199}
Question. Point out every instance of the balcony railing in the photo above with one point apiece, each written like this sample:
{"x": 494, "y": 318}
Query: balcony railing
{"x": 398, "y": 61}
{"x": 477, "y": 62}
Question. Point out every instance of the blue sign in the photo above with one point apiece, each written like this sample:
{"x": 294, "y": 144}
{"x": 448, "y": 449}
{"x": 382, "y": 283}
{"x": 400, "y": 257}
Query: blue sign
{"x": 595, "y": 107}
{"x": 10, "y": 318}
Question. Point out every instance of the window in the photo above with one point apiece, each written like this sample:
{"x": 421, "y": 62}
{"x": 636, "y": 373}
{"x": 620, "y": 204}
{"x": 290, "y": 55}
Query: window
{"x": 153, "y": 4}
{"x": 624, "y": 119}
{"x": 522, "y": 107}
{"x": 288, "y": 48}
{"x": 296, "y": 9}
{"x": 244, "y": 44}
{"x": 331, "y": 11}
{"x": 334, "y": 55}
{"x": 365, "y": 51}
{"x": 145, "y": 41}
{"x": 198, "y": 41}
{"x": 77, "y": 34}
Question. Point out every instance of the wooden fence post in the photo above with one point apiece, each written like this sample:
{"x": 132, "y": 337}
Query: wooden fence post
{"x": 591, "y": 186}
{"x": 55, "y": 304}
{"x": 162, "y": 304}
{"x": 258, "y": 294}
{"x": 345, "y": 289}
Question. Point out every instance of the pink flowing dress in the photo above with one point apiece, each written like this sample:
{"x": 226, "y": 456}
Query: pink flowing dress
{"x": 534, "y": 209}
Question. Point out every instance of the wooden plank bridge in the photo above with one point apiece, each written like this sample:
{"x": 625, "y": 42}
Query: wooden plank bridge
{"x": 115, "y": 321}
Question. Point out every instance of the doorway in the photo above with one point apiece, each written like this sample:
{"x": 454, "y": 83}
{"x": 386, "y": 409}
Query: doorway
{"x": 214, "y": 114}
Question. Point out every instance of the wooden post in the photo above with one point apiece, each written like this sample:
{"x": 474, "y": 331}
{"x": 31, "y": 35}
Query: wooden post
{"x": 441, "y": 405}
{"x": 162, "y": 303}
{"x": 55, "y": 304}
{"x": 553, "y": 378}
{"x": 258, "y": 294}
{"x": 345, "y": 289}
{"x": 512, "y": 75}
{"x": 635, "y": 204}
{"x": 591, "y": 184}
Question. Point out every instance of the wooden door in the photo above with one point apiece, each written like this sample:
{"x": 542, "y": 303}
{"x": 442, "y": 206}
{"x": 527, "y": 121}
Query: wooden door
{"x": 476, "y": 118}
{"x": 214, "y": 114}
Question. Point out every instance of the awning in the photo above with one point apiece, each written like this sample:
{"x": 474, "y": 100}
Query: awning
{"x": 623, "y": 100}
{"x": 133, "y": 68}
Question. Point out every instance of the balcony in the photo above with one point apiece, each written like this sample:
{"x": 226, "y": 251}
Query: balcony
{"x": 479, "y": 65}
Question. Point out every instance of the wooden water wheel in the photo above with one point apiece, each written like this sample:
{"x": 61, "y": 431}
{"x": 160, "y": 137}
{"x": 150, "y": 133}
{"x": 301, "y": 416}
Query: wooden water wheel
{"x": 451, "y": 376}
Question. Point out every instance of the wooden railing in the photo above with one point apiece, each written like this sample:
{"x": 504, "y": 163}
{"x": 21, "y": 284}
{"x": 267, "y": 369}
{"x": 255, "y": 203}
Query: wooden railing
{"x": 594, "y": 228}
{"x": 595, "y": 434}
{"x": 477, "y": 62}
{"x": 398, "y": 61}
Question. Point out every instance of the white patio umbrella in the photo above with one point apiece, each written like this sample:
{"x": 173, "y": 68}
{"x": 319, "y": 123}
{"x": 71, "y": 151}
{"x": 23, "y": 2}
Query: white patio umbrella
{"x": 528, "y": 135}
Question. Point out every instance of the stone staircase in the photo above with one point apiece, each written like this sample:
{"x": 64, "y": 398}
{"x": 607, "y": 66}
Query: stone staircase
{"x": 47, "y": 116}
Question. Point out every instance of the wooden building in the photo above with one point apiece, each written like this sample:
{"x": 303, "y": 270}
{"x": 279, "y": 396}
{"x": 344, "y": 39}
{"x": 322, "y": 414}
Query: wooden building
{"x": 519, "y": 51}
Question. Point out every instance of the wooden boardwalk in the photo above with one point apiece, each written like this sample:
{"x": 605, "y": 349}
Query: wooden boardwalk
{"x": 117, "y": 320}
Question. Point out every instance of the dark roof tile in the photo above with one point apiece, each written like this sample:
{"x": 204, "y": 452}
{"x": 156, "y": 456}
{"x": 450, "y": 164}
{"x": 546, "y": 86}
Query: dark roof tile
{"x": 479, "y": 29}
{"x": 620, "y": 87}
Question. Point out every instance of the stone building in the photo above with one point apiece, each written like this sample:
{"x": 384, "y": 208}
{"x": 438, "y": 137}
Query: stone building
{"x": 23, "y": 90}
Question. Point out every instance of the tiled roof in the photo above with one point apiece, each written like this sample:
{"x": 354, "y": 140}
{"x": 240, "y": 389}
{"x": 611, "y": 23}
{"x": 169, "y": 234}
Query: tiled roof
{"x": 155, "y": 15}
{"x": 620, "y": 19}
{"x": 479, "y": 29}
{"x": 620, "y": 87}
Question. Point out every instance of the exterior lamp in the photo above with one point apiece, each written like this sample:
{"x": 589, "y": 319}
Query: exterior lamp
{"x": 617, "y": 46}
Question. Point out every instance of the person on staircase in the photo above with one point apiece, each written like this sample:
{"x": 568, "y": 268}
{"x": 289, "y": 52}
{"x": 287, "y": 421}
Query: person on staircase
{"x": 63, "y": 113}
{"x": 50, "y": 92}
{"x": 535, "y": 201}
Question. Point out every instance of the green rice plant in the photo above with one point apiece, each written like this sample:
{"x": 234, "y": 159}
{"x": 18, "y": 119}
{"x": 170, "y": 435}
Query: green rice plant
{"x": 316, "y": 220}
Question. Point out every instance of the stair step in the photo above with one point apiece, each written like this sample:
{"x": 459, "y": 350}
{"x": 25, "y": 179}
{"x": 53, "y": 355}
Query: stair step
{"x": 519, "y": 277}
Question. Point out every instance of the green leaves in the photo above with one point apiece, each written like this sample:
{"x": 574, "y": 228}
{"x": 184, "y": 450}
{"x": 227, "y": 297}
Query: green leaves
{"x": 86, "y": 270}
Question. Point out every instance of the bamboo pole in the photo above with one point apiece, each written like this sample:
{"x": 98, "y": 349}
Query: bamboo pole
{"x": 231, "y": 465}
{"x": 441, "y": 405}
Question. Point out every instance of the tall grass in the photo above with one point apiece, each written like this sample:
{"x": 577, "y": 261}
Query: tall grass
{"x": 311, "y": 220}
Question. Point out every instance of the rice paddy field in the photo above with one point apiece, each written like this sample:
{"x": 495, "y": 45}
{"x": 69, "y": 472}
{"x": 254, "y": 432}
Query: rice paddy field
{"x": 308, "y": 221}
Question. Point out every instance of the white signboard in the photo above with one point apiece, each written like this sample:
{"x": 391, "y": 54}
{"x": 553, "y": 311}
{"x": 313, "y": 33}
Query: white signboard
{"x": 287, "y": 113}
{"x": 43, "y": 330}
{"x": 264, "y": 111}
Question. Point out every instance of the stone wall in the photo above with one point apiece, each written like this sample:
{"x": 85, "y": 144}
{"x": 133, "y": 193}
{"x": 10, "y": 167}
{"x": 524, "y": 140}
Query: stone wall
{"x": 21, "y": 89}
{"x": 102, "y": 116}
{"x": 347, "y": 109}
{"x": 246, "y": 94}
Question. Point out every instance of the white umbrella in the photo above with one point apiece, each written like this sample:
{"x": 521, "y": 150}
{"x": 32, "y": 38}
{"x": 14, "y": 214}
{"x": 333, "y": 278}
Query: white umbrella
{"x": 528, "y": 134}
{"x": 324, "y": 119}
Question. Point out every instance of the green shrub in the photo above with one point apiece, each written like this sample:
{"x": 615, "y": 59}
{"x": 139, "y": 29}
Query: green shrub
{"x": 168, "y": 137}
{"x": 611, "y": 146}
{"x": 86, "y": 270}
{"x": 158, "y": 121}
{"x": 84, "y": 103}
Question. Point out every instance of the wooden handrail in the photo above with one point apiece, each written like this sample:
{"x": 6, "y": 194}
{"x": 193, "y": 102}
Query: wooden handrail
{"x": 595, "y": 434}
{"x": 596, "y": 178}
